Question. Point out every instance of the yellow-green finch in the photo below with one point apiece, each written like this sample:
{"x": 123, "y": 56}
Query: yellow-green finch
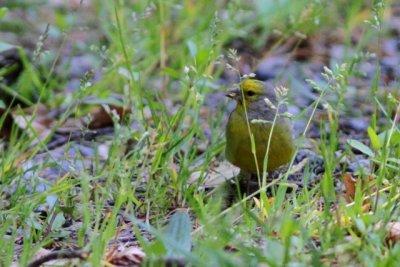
{"x": 255, "y": 110}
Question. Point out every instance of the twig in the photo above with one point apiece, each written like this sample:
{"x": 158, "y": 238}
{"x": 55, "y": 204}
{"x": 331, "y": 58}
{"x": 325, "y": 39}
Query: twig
{"x": 59, "y": 254}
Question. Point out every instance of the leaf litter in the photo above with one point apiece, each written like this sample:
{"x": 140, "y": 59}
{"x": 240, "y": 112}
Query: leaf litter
{"x": 71, "y": 147}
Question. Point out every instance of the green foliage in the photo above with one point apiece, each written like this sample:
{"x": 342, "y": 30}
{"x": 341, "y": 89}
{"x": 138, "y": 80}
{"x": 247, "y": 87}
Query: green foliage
{"x": 160, "y": 52}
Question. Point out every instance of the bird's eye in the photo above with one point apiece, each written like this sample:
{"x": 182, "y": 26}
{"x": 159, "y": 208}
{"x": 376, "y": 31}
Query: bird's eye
{"x": 250, "y": 93}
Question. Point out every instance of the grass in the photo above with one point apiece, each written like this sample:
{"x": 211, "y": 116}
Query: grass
{"x": 161, "y": 56}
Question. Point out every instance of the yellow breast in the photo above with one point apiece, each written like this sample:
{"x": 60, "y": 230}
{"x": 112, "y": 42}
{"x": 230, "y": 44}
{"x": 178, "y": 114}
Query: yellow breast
{"x": 238, "y": 144}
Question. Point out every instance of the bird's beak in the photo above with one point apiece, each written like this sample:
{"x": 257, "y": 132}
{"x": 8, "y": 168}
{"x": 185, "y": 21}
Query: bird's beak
{"x": 234, "y": 94}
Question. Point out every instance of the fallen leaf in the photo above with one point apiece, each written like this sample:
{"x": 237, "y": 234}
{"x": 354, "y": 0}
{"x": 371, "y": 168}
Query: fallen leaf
{"x": 125, "y": 256}
{"x": 393, "y": 232}
{"x": 350, "y": 187}
{"x": 101, "y": 116}
{"x": 366, "y": 207}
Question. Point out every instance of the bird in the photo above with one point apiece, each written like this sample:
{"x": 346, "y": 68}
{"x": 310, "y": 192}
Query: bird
{"x": 257, "y": 107}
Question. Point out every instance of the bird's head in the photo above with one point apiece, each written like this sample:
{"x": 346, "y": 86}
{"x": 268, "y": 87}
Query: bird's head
{"x": 250, "y": 89}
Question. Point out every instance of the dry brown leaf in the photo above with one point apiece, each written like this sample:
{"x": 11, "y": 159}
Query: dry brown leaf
{"x": 393, "y": 232}
{"x": 38, "y": 120}
{"x": 350, "y": 187}
{"x": 100, "y": 117}
{"x": 125, "y": 256}
{"x": 366, "y": 207}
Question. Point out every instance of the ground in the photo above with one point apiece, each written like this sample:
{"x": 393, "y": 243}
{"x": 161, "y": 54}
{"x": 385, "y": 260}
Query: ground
{"x": 112, "y": 118}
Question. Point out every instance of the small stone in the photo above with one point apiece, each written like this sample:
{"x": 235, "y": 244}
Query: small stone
{"x": 269, "y": 67}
